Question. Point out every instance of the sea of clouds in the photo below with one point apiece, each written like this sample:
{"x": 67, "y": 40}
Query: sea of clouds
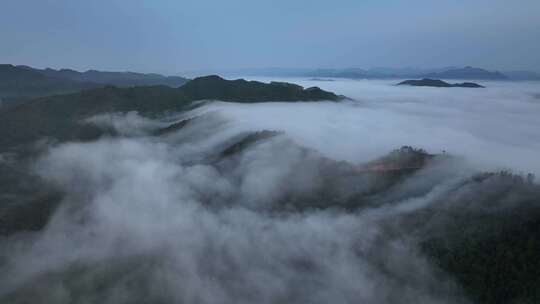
{"x": 494, "y": 127}
{"x": 148, "y": 219}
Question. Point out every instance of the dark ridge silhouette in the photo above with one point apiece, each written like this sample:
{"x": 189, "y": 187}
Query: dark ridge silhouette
{"x": 19, "y": 83}
{"x": 426, "y": 82}
{"x": 240, "y": 90}
{"x": 122, "y": 79}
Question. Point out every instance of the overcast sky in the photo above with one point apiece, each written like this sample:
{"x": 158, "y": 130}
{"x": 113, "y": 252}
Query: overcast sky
{"x": 173, "y": 36}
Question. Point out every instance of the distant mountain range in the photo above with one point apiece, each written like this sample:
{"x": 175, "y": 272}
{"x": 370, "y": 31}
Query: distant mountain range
{"x": 25, "y": 82}
{"x": 17, "y": 82}
{"x": 122, "y": 79}
{"x": 468, "y": 73}
{"x": 384, "y": 73}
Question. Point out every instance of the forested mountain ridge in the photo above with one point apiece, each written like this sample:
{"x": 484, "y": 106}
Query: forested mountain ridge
{"x": 58, "y": 116}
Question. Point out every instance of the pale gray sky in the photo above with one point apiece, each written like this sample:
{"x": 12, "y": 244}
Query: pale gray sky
{"x": 172, "y": 36}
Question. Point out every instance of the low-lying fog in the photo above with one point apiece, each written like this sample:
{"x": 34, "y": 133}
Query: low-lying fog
{"x": 148, "y": 219}
{"x": 494, "y": 127}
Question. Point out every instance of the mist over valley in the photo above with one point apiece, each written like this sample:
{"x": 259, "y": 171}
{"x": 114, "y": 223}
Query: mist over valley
{"x": 371, "y": 197}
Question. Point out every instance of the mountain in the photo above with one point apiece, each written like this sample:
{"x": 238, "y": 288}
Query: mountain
{"x": 426, "y": 82}
{"x": 58, "y": 116}
{"x": 240, "y": 90}
{"x": 113, "y": 78}
{"x": 467, "y": 73}
{"x": 17, "y": 82}
{"x": 21, "y": 82}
